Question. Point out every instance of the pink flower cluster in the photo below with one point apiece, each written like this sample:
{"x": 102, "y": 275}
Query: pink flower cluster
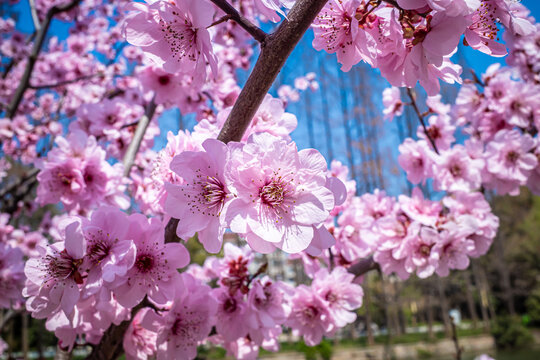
{"x": 246, "y": 310}
{"x": 266, "y": 190}
{"x": 77, "y": 174}
{"x": 414, "y": 42}
{"x": 102, "y": 267}
{"x": 11, "y": 267}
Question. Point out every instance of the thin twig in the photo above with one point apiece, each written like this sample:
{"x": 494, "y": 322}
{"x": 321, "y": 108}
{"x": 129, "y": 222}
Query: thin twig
{"x": 421, "y": 118}
{"x": 220, "y": 20}
{"x": 7, "y": 317}
{"x": 134, "y": 145}
{"x": 38, "y": 44}
{"x": 32, "y": 173}
{"x": 459, "y": 349}
{"x": 33, "y": 12}
{"x": 247, "y": 25}
{"x": 65, "y": 82}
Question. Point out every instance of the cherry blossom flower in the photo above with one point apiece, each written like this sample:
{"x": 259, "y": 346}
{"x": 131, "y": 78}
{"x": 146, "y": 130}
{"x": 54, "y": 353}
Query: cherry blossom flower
{"x": 310, "y": 316}
{"x": 393, "y": 106}
{"x": 54, "y": 277}
{"x": 11, "y": 275}
{"x": 416, "y": 159}
{"x": 200, "y": 201}
{"x": 139, "y": 343}
{"x": 154, "y": 271}
{"x": 173, "y": 35}
{"x": 267, "y": 308}
{"x": 509, "y": 161}
{"x": 110, "y": 253}
{"x": 187, "y": 323}
{"x": 455, "y": 170}
{"x": 231, "y": 314}
{"x": 281, "y": 194}
{"x": 340, "y": 294}
{"x": 336, "y": 31}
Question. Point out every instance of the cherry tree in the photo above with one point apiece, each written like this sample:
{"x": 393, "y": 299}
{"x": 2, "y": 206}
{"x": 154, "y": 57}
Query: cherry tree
{"x": 94, "y": 217}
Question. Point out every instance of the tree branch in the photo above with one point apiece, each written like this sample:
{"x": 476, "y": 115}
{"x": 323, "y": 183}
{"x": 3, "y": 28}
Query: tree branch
{"x": 247, "y": 25}
{"x": 363, "y": 266}
{"x": 7, "y": 317}
{"x": 38, "y": 44}
{"x": 135, "y": 144}
{"x": 278, "y": 47}
{"x": 110, "y": 347}
{"x": 65, "y": 82}
{"x": 33, "y": 12}
{"x": 412, "y": 96}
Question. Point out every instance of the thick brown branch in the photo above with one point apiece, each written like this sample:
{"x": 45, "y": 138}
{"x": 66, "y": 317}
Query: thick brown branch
{"x": 135, "y": 144}
{"x": 38, "y": 44}
{"x": 421, "y": 118}
{"x": 247, "y": 25}
{"x": 279, "y": 46}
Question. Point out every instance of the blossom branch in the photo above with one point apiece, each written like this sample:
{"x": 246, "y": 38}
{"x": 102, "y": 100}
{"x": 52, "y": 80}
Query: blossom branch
{"x": 135, "y": 144}
{"x": 38, "y": 44}
{"x": 278, "y": 47}
{"x": 412, "y": 96}
{"x": 247, "y": 25}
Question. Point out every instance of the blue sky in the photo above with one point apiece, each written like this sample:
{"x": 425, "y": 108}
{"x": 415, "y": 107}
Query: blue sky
{"x": 346, "y": 113}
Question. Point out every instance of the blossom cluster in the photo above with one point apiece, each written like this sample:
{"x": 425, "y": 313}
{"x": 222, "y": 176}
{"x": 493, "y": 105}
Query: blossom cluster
{"x": 98, "y": 271}
{"x": 246, "y": 310}
{"x": 413, "y": 41}
{"x": 501, "y": 151}
{"x": 265, "y": 190}
{"x": 93, "y": 265}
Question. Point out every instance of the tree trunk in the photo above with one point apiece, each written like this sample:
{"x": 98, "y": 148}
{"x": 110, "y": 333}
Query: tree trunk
{"x": 367, "y": 304}
{"x": 444, "y": 307}
{"x": 470, "y": 299}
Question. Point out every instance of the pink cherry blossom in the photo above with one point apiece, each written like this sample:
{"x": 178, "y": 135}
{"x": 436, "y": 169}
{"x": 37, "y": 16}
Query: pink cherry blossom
{"x": 509, "y": 161}
{"x": 139, "y": 343}
{"x": 336, "y": 30}
{"x": 393, "y": 106}
{"x": 340, "y": 294}
{"x": 231, "y": 314}
{"x": 11, "y": 275}
{"x": 155, "y": 268}
{"x": 267, "y": 308}
{"x": 200, "y": 201}
{"x": 281, "y": 194}
{"x": 54, "y": 277}
{"x": 187, "y": 323}
{"x": 416, "y": 159}
{"x": 173, "y": 35}
{"x": 110, "y": 253}
{"x": 455, "y": 170}
{"x": 310, "y": 316}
